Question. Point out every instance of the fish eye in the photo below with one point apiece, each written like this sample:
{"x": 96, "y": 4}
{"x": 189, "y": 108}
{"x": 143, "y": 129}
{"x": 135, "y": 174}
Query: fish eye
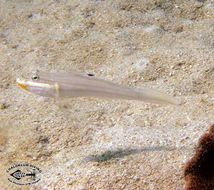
{"x": 35, "y": 77}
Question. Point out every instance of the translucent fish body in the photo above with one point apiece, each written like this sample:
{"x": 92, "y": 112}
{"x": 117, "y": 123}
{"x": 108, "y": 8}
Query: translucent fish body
{"x": 70, "y": 85}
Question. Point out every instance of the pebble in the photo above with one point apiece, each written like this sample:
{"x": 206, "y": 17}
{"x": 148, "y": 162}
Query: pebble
{"x": 3, "y": 106}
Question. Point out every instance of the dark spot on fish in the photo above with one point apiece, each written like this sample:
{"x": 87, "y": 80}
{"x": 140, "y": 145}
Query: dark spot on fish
{"x": 35, "y": 77}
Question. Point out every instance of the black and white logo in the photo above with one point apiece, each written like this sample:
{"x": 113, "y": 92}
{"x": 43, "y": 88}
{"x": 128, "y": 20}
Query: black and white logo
{"x": 23, "y": 174}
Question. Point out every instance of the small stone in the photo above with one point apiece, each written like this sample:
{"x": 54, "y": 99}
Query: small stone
{"x": 3, "y": 106}
{"x": 170, "y": 74}
{"x": 14, "y": 46}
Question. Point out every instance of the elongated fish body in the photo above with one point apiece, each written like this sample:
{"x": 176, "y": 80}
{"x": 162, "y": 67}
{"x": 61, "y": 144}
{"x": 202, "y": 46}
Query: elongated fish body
{"x": 69, "y": 85}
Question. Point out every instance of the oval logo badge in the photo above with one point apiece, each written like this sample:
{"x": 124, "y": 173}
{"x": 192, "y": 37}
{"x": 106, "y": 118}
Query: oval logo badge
{"x": 23, "y": 174}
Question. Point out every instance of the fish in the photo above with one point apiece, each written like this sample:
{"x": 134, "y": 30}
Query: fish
{"x": 74, "y": 84}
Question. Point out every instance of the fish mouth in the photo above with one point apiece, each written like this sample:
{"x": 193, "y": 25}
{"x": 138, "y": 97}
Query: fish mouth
{"x": 22, "y": 84}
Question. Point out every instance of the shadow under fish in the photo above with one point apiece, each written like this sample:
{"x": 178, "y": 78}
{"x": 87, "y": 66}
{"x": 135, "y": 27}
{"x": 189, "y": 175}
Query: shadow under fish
{"x": 121, "y": 153}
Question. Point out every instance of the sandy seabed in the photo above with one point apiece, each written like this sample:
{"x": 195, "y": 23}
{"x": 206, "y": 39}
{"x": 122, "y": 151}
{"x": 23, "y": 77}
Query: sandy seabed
{"x": 91, "y": 143}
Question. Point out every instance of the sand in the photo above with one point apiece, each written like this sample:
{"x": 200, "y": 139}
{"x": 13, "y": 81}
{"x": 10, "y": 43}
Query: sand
{"x": 91, "y": 143}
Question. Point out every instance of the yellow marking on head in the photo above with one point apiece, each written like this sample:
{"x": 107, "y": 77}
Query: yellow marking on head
{"x": 22, "y": 84}
{"x": 56, "y": 85}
